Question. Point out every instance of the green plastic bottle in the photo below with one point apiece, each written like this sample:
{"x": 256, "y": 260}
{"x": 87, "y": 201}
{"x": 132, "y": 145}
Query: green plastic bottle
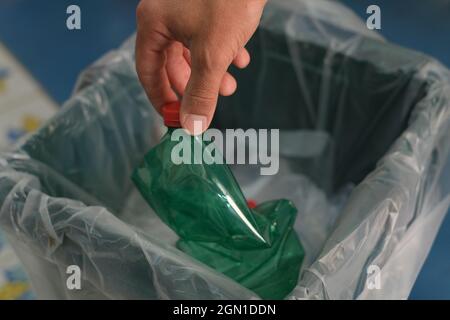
{"x": 204, "y": 205}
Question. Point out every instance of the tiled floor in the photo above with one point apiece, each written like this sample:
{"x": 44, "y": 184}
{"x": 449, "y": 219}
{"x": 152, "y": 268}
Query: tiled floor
{"x": 35, "y": 31}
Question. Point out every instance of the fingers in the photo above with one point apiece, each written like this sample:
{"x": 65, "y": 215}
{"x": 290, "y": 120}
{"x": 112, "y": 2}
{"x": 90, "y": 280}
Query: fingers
{"x": 165, "y": 67}
{"x": 228, "y": 85}
{"x": 178, "y": 68}
{"x": 187, "y": 55}
{"x": 151, "y": 61}
{"x": 208, "y": 77}
{"x": 242, "y": 60}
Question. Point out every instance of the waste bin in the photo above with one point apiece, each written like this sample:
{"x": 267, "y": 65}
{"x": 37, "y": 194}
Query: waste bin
{"x": 364, "y": 134}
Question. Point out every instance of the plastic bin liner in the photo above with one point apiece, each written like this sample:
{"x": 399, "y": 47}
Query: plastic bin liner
{"x": 365, "y": 131}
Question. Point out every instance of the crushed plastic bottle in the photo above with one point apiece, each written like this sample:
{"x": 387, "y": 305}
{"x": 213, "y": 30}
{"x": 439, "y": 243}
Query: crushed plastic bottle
{"x": 205, "y": 206}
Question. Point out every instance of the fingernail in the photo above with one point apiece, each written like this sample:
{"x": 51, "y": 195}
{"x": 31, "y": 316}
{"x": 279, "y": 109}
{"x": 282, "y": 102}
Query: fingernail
{"x": 194, "y": 124}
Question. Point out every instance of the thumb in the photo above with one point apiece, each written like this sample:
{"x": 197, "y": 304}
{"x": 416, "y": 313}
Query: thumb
{"x": 201, "y": 94}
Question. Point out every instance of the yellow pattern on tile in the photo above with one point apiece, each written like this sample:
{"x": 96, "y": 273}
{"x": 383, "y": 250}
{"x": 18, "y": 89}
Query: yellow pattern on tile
{"x": 13, "y": 291}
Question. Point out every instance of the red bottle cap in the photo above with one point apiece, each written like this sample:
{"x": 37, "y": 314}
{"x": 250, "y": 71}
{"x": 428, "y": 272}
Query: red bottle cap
{"x": 251, "y": 203}
{"x": 171, "y": 114}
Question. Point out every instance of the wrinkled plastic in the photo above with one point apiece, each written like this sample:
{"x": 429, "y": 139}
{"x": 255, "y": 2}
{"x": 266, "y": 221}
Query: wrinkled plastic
{"x": 202, "y": 202}
{"x": 365, "y": 131}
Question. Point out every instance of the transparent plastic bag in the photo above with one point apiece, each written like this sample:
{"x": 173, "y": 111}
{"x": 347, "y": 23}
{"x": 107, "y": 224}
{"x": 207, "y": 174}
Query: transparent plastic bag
{"x": 380, "y": 115}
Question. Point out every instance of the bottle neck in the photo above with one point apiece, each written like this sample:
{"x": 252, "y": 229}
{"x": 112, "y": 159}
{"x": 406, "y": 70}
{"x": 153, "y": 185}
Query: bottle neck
{"x": 172, "y": 129}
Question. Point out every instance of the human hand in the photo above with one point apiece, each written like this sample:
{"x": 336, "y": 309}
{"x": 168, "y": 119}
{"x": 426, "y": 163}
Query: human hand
{"x": 185, "y": 47}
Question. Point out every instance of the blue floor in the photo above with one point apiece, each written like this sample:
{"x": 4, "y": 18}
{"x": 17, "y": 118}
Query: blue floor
{"x": 35, "y": 31}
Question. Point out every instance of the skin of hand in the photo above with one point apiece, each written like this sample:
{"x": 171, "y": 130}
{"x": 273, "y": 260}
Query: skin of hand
{"x": 185, "y": 47}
